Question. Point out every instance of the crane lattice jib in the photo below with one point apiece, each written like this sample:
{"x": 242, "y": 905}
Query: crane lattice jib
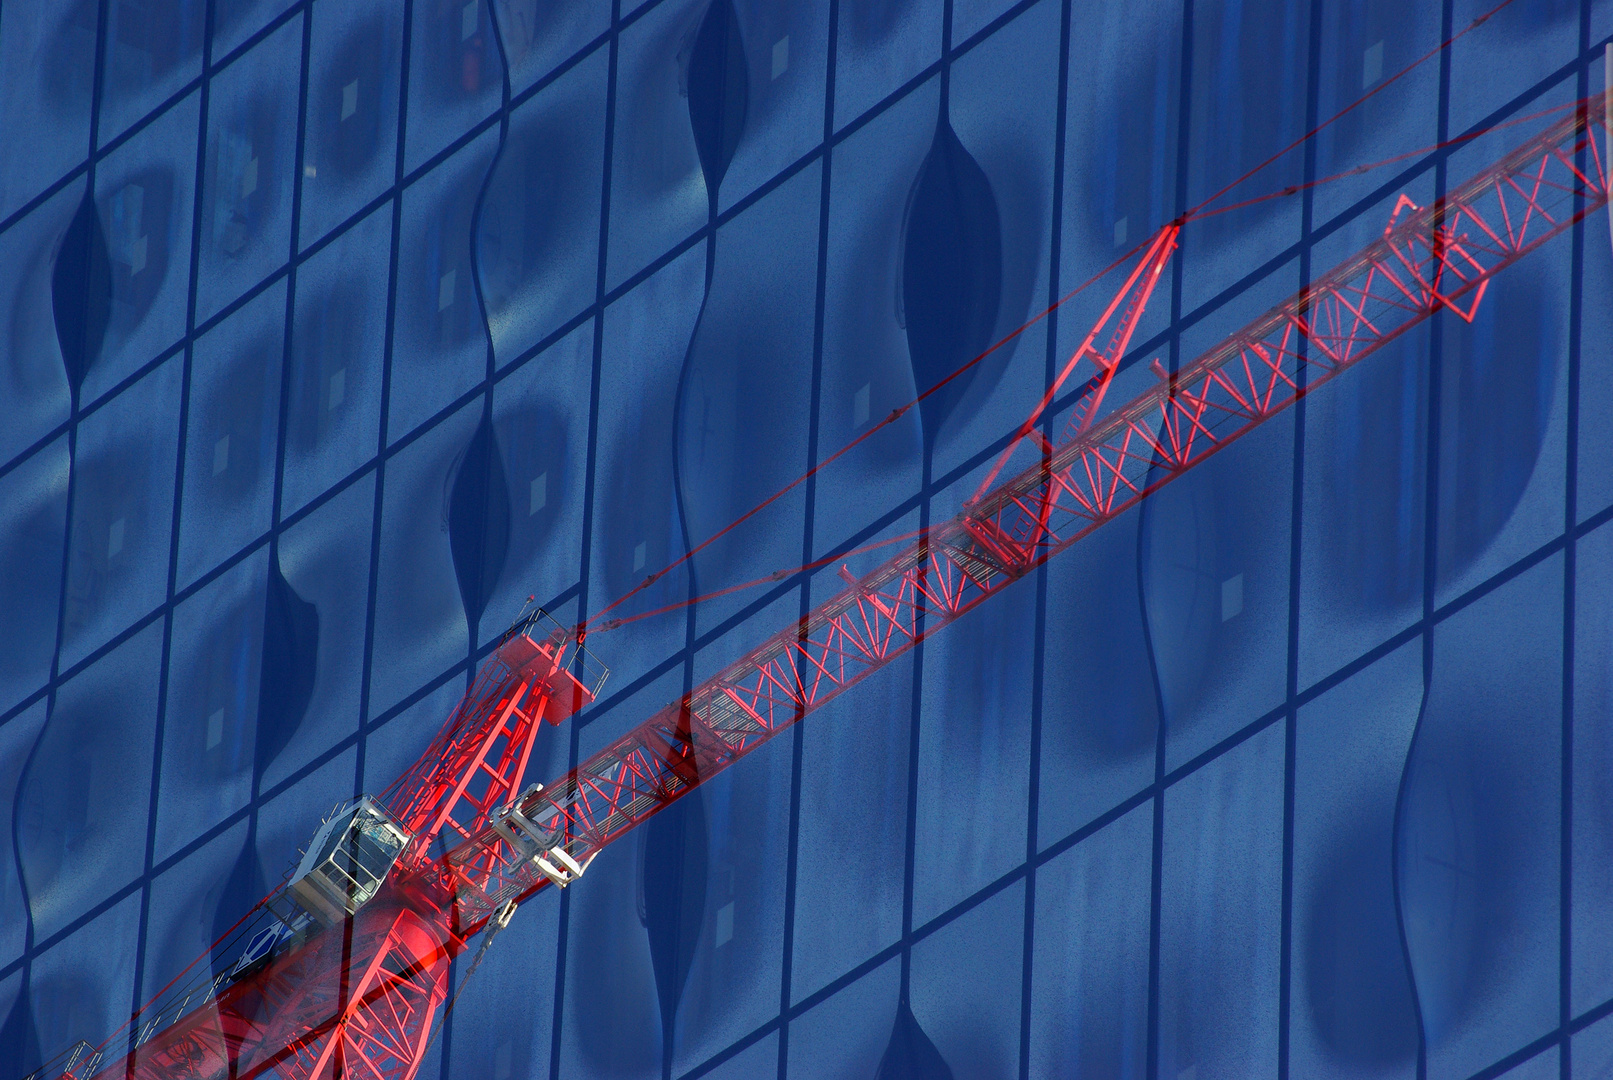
{"x": 358, "y": 999}
{"x": 1429, "y": 258}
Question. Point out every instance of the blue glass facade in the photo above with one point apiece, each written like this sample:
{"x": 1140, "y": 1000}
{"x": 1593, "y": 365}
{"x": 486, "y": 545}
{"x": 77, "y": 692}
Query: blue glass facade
{"x": 330, "y": 332}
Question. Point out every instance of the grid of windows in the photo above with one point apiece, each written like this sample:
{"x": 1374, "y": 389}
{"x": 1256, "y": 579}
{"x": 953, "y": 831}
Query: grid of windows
{"x": 336, "y": 331}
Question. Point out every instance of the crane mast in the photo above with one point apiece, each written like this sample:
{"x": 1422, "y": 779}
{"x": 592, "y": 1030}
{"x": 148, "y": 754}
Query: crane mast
{"x": 349, "y": 979}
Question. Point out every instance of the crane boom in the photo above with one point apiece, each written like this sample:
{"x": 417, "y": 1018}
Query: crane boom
{"x": 1429, "y": 258}
{"x": 357, "y": 996}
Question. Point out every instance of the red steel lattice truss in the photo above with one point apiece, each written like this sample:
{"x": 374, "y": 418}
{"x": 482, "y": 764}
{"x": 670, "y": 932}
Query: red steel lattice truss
{"x": 358, "y": 1000}
{"x": 1428, "y": 259}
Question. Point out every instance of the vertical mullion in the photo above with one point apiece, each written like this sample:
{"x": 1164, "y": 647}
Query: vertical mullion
{"x": 382, "y": 426}
{"x": 914, "y": 737}
{"x": 277, "y": 504}
{"x": 378, "y": 497}
{"x": 1436, "y": 341}
{"x": 1565, "y": 839}
{"x": 1179, "y": 261}
{"x": 590, "y": 472}
{"x": 473, "y": 629}
{"x": 1039, "y": 626}
{"x": 291, "y": 287}
{"x": 164, "y": 668}
{"x": 814, "y": 415}
{"x": 488, "y": 376}
{"x": 52, "y": 685}
{"x": 1285, "y": 985}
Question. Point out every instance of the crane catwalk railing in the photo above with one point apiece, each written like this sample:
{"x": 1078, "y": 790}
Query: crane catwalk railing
{"x": 1430, "y": 258}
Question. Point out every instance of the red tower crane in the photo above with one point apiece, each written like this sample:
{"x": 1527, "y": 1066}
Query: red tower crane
{"x": 348, "y": 979}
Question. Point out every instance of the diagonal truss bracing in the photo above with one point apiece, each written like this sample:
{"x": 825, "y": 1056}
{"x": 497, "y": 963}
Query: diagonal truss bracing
{"x": 1428, "y": 259}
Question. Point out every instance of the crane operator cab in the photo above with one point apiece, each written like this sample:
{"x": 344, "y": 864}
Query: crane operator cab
{"x": 463, "y": 784}
{"x": 348, "y": 859}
